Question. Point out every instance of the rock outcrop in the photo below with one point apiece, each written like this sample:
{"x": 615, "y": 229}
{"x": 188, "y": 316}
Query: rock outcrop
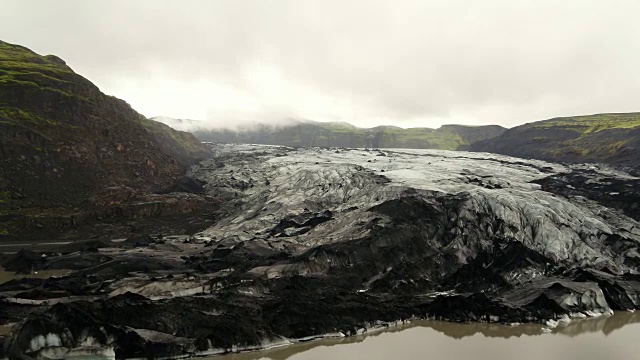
{"x": 332, "y": 242}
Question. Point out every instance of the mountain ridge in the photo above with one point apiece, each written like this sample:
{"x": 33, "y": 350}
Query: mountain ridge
{"x": 611, "y": 138}
{"x": 301, "y": 133}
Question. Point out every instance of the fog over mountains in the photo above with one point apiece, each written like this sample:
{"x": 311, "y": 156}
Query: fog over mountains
{"x": 600, "y": 138}
{"x": 292, "y": 132}
{"x": 410, "y": 64}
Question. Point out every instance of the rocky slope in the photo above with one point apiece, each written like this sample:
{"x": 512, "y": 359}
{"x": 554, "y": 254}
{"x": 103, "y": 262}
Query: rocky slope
{"x": 65, "y": 146}
{"x": 602, "y": 138}
{"x": 340, "y": 134}
{"x": 331, "y": 242}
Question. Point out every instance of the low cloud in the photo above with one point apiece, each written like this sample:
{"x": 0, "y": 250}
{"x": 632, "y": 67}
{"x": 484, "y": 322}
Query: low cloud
{"x": 406, "y": 63}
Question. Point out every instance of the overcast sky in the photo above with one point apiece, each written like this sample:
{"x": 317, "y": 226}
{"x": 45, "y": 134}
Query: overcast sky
{"x": 407, "y": 63}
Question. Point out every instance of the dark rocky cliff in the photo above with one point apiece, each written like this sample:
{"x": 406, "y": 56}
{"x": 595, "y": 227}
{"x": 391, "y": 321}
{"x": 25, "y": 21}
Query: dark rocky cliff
{"x": 602, "y": 138}
{"x": 66, "y": 145}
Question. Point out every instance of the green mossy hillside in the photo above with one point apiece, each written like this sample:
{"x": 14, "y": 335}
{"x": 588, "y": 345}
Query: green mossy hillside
{"x": 340, "y": 134}
{"x": 63, "y": 143}
{"x": 593, "y": 123}
{"x": 612, "y": 138}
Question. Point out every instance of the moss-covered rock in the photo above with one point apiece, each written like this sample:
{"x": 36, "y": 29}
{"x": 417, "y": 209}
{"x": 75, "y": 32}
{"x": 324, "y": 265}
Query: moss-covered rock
{"x": 63, "y": 142}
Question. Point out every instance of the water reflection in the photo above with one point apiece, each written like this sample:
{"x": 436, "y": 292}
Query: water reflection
{"x": 422, "y": 335}
{"x": 605, "y": 324}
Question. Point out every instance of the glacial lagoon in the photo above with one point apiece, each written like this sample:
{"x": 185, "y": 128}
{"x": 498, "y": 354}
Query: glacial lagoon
{"x": 613, "y": 337}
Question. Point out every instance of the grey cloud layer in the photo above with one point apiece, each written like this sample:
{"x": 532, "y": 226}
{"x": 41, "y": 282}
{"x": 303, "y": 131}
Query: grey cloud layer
{"x": 403, "y": 62}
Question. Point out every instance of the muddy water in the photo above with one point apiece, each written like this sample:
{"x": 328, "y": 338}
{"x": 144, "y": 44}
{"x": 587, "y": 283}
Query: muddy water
{"x": 614, "y": 337}
{"x": 44, "y": 274}
{"x": 8, "y": 275}
{"x": 5, "y": 329}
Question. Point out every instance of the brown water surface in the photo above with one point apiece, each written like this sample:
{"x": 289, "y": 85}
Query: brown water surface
{"x": 615, "y": 337}
{"x": 8, "y": 275}
{"x": 4, "y": 329}
{"x": 44, "y": 274}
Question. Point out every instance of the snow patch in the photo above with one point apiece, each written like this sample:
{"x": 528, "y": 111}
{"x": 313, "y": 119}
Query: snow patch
{"x": 42, "y": 341}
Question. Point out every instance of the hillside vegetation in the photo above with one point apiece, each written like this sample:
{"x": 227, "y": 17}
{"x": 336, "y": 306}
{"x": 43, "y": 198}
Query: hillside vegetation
{"x": 603, "y": 138}
{"x": 66, "y": 145}
{"x": 341, "y": 134}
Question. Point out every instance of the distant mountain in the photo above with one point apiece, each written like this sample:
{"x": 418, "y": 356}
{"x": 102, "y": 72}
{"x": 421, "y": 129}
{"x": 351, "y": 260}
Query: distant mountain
{"x": 602, "y": 138}
{"x": 341, "y": 134}
{"x": 65, "y": 144}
